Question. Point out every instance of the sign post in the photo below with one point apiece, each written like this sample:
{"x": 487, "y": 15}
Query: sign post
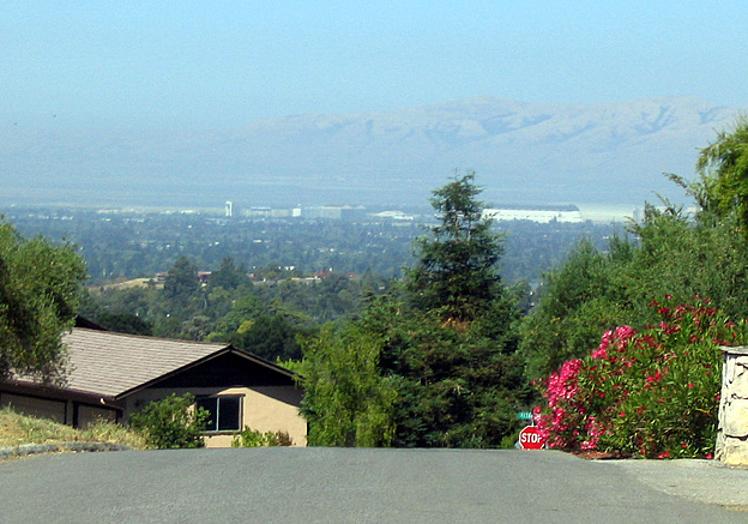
{"x": 530, "y": 438}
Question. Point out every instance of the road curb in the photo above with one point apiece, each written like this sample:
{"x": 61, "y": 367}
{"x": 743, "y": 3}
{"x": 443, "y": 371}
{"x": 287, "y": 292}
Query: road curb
{"x": 33, "y": 449}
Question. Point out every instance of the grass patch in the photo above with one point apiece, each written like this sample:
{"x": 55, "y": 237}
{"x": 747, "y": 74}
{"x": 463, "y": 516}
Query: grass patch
{"x": 17, "y": 429}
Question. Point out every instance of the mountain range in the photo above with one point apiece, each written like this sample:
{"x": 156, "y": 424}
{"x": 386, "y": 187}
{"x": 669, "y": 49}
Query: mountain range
{"x": 522, "y": 153}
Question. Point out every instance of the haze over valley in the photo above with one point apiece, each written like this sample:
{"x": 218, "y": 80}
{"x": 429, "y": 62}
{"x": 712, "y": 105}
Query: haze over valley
{"x": 528, "y": 153}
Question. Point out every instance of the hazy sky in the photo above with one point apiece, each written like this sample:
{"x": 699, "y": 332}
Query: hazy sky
{"x": 217, "y": 64}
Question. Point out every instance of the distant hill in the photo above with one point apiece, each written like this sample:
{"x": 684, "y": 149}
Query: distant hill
{"x": 522, "y": 152}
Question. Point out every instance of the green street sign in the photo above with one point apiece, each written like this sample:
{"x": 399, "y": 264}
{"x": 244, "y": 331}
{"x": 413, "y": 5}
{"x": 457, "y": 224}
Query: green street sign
{"x": 524, "y": 415}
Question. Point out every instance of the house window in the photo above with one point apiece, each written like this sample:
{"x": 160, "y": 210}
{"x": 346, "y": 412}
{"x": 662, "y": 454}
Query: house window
{"x": 225, "y": 412}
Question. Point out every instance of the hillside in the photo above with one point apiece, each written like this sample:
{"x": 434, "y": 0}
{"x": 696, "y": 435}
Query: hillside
{"x": 17, "y": 429}
{"x": 523, "y": 152}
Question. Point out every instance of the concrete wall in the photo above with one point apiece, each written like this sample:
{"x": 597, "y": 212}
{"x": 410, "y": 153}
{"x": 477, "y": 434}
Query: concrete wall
{"x": 732, "y": 434}
{"x": 263, "y": 408}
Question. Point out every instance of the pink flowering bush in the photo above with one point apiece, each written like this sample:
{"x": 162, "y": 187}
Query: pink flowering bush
{"x": 651, "y": 393}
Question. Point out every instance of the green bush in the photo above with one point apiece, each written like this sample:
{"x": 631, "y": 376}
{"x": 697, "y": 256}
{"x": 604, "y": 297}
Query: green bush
{"x": 250, "y": 438}
{"x": 172, "y": 422}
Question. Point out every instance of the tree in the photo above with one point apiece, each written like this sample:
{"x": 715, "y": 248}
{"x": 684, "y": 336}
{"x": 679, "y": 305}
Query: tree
{"x": 40, "y": 287}
{"x": 228, "y": 276}
{"x": 181, "y": 282}
{"x": 455, "y": 387}
{"x": 723, "y": 166}
{"x": 346, "y": 401}
{"x": 456, "y": 271}
{"x": 432, "y": 363}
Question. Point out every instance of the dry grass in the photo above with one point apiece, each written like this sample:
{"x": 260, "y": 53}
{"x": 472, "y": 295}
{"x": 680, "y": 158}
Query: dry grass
{"x": 127, "y": 284}
{"x": 16, "y": 429}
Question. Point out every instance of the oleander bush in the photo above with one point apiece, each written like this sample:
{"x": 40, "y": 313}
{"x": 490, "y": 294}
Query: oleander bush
{"x": 651, "y": 393}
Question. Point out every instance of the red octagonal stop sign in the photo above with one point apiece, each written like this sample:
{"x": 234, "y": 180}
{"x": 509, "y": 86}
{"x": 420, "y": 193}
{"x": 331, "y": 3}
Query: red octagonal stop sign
{"x": 529, "y": 438}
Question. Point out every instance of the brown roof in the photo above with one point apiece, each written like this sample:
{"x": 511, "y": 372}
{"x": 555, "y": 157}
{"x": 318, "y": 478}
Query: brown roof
{"x": 109, "y": 364}
{"x": 112, "y": 365}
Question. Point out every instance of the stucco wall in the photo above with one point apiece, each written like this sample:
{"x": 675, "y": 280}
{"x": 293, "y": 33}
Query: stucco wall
{"x": 88, "y": 415}
{"x": 263, "y": 408}
{"x": 732, "y": 433}
{"x": 35, "y": 407}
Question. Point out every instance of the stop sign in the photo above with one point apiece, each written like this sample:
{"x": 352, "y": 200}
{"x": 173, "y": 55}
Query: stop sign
{"x": 529, "y": 438}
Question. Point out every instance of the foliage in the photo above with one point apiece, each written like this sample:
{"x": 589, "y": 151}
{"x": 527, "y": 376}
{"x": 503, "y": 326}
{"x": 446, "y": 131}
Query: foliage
{"x": 122, "y": 322}
{"x": 249, "y": 438}
{"x": 181, "y": 281}
{"x": 346, "y": 401}
{"x": 653, "y": 393}
{"x": 129, "y": 245}
{"x": 456, "y": 271}
{"x": 269, "y": 336}
{"x": 40, "y": 285}
{"x": 723, "y": 166}
{"x": 670, "y": 253}
{"x": 290, "y": 364}
{"x": 228, "y": 275}
{"x": 456, "y": 388}
{"x": 172, "y": 422}
{"x": 431, "y": 364}
{"x": 578, "y": 300}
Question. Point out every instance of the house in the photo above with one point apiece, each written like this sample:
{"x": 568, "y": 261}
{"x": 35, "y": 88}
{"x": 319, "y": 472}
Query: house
{"x": 112, "y": 374}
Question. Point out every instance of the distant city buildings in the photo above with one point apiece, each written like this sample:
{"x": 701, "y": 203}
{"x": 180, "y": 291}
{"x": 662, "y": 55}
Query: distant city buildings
{"x": 393, "y": 215}
{"x": 312, "y": 212}
{"x": 539, "y": 214}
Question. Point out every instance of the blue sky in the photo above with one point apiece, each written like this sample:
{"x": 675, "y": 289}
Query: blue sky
{"x": 224, "y": 64}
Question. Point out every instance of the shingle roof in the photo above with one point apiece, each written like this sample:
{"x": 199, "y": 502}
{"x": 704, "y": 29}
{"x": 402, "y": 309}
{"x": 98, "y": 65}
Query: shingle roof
{"x": 109, "y": 364}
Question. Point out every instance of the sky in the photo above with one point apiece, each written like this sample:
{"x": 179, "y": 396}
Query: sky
{"x": 225, "y": 64}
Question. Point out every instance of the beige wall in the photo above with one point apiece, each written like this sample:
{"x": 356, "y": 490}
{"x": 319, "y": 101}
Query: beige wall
{"x": 88, "y": 415}
{"x": 269, "y": 408}
{"x": 35, "y": 407}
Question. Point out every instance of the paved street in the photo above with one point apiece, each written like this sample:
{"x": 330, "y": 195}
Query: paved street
{"x": 360, "y": 485}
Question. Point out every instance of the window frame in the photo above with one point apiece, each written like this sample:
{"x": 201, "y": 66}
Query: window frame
{"x": 217, "y": 399}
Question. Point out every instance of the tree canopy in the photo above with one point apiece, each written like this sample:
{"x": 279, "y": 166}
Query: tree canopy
{"x": 40, "y": 286}
{"x": 723, "y": 166}
{"x": 441, "y": 367}
{"x": 456, "y": 269}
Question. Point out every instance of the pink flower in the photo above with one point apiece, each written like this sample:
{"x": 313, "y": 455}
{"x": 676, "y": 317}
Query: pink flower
{"x": 652, "y": 379}
{"x": 664, "y": 455}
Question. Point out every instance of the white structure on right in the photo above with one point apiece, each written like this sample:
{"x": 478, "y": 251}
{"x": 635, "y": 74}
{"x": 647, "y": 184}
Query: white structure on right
{"x": 732, "y": 432}
{"x": 540, "y": 214}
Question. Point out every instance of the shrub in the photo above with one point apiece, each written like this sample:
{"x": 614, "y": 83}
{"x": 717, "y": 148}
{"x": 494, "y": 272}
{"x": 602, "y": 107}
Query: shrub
{"x": 653, "y": 393}
{"x": 250, "y": 438}
{"x": 172, "y": 422}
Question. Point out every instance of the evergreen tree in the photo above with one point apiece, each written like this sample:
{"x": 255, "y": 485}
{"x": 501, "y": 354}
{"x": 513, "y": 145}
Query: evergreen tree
{"x": 433, "y": 364}
{"x": 228, "y": 276}
{"x": 456, "y": 272}
{"x": 181, "y": 281}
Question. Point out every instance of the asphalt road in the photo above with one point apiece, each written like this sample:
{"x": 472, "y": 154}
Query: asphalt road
{"x": 352, "y": 485}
